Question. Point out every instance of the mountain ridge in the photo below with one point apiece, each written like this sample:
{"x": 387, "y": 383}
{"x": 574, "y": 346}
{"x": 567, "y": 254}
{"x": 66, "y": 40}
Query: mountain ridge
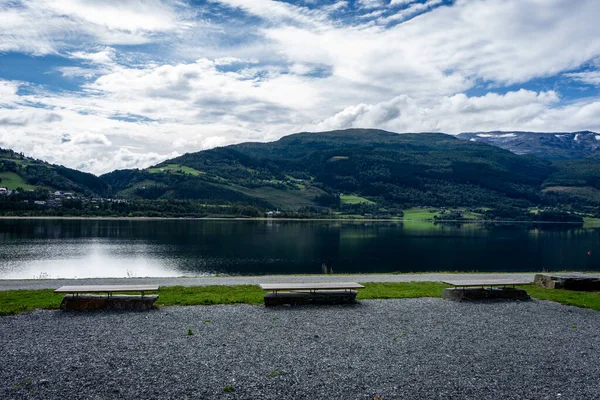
{"x": 385, "y": 168}
{"x": 354, "y": 171}
{"x": 548, "y": 145}
{"x": 20, "y": 171}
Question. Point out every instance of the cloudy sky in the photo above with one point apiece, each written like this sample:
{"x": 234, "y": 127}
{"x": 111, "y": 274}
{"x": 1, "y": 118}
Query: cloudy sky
{"x": 105, "y": 84}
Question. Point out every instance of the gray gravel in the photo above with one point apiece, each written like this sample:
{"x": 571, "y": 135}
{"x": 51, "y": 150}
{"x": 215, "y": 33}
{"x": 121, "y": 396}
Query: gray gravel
{"x": 396, "y": 349}
{"x": 12, "y": 284}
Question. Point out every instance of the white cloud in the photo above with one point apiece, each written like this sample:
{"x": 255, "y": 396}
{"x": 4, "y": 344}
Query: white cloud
{"x": 87, "y": 138}
{"x": 276, "y": 11}
{"x": 504, "y": 42}
{"x": 117, "y": 15}
{"x": 411, "y": 11}
{"x": 70, "y": 72}
{"x": 338, "y": 5}
{"x": 296, "y": 70}
{"x": 521, "y": 110}
{"x": 27, "y": 116}
{"x": 401, "y": 2}
{"x": 123, "y": 158}
{"x": 589, "y": 77}
{"x": 8, "y": 92}
{"x": 198, "y": 93}
{"x": 47, "y": 26}
{"x": 369, "y": 4}
{"x": 200, "y": 143}
{"x": 213, "y": 141}
{"x": 104, "y": 56}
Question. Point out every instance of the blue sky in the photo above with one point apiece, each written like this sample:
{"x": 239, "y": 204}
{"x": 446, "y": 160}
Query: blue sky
{"x": 105, "y": 84}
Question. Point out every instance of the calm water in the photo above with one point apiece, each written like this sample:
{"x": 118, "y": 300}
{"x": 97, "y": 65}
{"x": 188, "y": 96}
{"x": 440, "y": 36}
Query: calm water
{"x": 37, "y": 248}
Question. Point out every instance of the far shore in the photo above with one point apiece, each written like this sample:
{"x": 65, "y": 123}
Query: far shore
{"x": 463, "y": 221}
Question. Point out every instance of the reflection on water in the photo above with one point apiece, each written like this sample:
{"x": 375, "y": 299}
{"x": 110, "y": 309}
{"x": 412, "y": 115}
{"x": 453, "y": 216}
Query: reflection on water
{"x": 81, "y": 258}
{"x": 47, "y": 248}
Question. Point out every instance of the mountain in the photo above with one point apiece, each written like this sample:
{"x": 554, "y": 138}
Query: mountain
{"x": 355, "y": 171}
{"x": 551, "y": 146}
{"x": 365, "y": 169}
{"x": 19, "y": 171}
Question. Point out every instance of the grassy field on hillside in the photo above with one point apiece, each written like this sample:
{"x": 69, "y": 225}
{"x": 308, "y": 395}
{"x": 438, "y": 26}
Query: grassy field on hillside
{"x": 17, "y": 301}
{"x": 420, "y": 213}
{"x": 11, "y": 180}
{"x": 352, "y": 199}
{"x": 429, "y": 213}
{"x": 130, "y": 191}
{"x": 282, "y": 199}
{"x": 175, "y": 169}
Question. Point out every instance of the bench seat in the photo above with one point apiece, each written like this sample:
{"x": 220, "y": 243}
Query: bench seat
{"x": 310, "y": 293}
{"x": 485, "y": 289}
{"x": 107, "y": 289}
{"x": 81, "y": 297}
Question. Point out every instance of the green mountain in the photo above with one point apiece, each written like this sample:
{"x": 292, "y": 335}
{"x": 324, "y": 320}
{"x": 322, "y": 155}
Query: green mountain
{"x": 19, "y": 171}
{"x": 365, "y": 170}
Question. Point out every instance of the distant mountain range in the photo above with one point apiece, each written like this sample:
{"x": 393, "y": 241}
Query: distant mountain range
{"x": 376, "y": 168}
{"x": 551, "y": 146}
{"x": 354, "y": 170}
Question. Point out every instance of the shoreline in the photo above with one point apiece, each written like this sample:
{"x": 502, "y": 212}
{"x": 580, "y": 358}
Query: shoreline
{"x": 467, "y": 221}
{"x": 29, "y": 284}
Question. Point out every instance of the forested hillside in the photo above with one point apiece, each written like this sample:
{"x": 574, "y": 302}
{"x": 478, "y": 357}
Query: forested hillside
{"x": 366, "y": 170}
{"x": 356, "y": 172}
{"x": 19, "y": 171}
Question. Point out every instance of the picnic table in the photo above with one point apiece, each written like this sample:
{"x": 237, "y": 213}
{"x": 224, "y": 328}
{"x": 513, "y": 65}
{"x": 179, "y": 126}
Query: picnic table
{"x": 310, "y": 293}
{"x": 486, "y": 283}
{"x": 486, "y": 289}
{"x": 84, "y": 297}
{"x": 109, "y": 289}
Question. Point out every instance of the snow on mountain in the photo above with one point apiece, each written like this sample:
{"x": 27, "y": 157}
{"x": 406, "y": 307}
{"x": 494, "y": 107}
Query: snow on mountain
{"x": 549, "y": 145}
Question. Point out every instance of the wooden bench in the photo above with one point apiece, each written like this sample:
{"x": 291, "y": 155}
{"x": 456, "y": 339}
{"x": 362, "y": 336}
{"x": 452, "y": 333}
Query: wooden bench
{"x": 485, "y": 289}
{"x": 80, "y": 297}
{"x": 310, "y": 293}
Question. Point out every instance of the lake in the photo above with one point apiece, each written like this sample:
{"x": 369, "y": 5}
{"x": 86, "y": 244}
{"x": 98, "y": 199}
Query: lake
{"x": 81, "y": 248}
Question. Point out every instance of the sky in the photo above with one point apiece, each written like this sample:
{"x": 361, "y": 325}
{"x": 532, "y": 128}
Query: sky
{"x": 99, "y": 85}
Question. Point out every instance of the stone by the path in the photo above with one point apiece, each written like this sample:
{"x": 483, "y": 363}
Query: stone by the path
{"x": 570, "y": 281}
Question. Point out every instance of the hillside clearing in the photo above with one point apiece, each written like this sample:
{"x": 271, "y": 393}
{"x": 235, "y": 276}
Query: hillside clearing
{"x": 353, "y": 199}
{"x": 11, "y": 180}
{"x": 282, "y": 199}
{"x": 175, "y": 169}
{"x": 420, "y": 213}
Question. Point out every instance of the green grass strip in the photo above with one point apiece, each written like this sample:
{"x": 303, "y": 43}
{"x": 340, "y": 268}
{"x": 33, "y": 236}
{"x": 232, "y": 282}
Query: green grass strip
{"x": 568, "y": 297}
{"x": 17, "y": 301}
{"x": 400, "y": 290}
{"x": 209, "y": 295}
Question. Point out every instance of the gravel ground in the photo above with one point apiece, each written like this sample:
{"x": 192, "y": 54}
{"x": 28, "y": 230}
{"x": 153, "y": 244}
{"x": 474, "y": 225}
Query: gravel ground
{"x": 395, "y": 349}
{"x": 11, "y": 284}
